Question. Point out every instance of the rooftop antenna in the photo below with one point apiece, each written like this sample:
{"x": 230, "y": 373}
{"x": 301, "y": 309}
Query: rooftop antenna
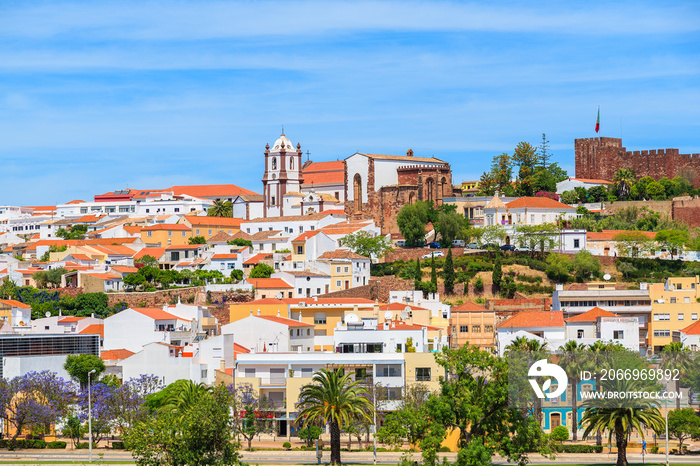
{"x": 308, "y": 154}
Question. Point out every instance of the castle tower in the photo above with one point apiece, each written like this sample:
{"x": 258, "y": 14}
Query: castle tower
{"x": 282, "y": 175}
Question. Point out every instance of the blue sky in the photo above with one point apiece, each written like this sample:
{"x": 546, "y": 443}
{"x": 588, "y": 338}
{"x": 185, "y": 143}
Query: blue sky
{"x": 97, "y": 96}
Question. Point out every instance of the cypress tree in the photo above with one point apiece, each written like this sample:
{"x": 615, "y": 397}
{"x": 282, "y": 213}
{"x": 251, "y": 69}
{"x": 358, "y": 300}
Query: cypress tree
{"x": 449, "y": 273}
{"x": 433, "y": 273}
{"x": 497, "y": 272}
{"x": 417, "y": 274}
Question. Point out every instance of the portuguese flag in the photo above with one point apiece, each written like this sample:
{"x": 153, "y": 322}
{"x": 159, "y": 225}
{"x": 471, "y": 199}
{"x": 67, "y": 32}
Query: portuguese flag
{"x": 597, "y": 121}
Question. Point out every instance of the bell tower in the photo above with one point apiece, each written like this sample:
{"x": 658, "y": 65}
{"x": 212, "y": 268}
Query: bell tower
{"x": 282, "y": 175}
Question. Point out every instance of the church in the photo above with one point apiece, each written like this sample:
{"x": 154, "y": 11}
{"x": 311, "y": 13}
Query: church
{"x": 364, "y": 185}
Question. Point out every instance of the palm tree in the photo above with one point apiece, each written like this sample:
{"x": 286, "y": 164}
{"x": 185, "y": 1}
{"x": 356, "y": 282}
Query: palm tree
{"x": 675, "y": 356}
{"x": 608, "y": 415}
{"x": 522, "y": 351}
{"x": 624, "y": 179}
{"x": 333, "y": 398}
{"x": 221, "y": 209}
{"x": 573, "y": 362}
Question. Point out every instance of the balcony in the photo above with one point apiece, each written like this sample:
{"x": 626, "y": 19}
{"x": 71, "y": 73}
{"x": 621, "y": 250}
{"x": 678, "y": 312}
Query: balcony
{"x": 273, "y": 381}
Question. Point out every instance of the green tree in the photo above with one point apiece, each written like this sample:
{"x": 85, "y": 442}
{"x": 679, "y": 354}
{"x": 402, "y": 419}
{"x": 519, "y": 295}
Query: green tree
{"x": 240, "y": 242}
{"x": 448, "y": 271}
{"x": 74, "y": 430}
{"x": 310, "y": 433}
{"x": 673, "y": 241}
{"x": 236, "y": 275}
{"x": 544, "y": 237}
{"x": 560, "y": 434}
{"x": 418, "y": 271}
{"x": 683, "y": 424}
{"x": 544, "y": 154}
{"x": 632, "y": 243}
{"x": 433, "y": 271}
{"x": 558, "y": 266}
{"x": 412, "y": 220}
{"x": 607, "y": 415}
{"x": 197, "y": 240}
{"x": 585, "y": 265}
{"x": 574, "y": 361}
{"x": 364, "y": 244}
{"x": 675, "y": 356}
{"x": 598, "y": 194}
{"x": 497, "y": 273}
{"x": 525, "y": 156}
{"x": 147, "y": 261}
{"x": 198, "y": 433}
{"x": 569, "y": 197}
{"x": 261, "y": 270}
{"x": 134, "y": 280}
{"x": 73, "y": 232}
{"x": 656, "y": 191}
{"x": 623, "y": 180}
{"x": 449, "y": 225}
{"x": 79, "y": 366}
{"x": 221, "y": 208}
{"x": 333, "y": 398}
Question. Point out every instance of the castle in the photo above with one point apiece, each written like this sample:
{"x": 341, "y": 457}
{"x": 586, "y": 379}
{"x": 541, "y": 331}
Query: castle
{"x": 600, "y": 158}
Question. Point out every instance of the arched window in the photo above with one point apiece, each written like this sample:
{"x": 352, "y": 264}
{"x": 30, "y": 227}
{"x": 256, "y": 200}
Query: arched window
{"x": 445, "y": 187}
{"x": 412, "y": 198}
{"x": 274, "y": 163}
{"x": 357, "y": 192}
{"x": 430, "y": 188}
{"x": 291, "y": 163}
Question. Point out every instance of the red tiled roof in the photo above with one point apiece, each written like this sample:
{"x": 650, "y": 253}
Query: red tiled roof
{"x": 538, "y": 203}
{"x": 305, "y": 236}
{"x": 591, "y": 315}
{"x": 124, "y": 269}
{"x": 132, "y": 230}
{"x": 285, "y": 321}
{"x": 531, "y": 319}
{"x": 264, "y": 301}
{"x": 156, "y": 313}
{"x": 692, "y": 329}
{"x": 153, "y": 252}
{"x": 400, "y": 307}
{"x": 256, "y": 259}
{"x": 184, "y": 246}
{"x": 116, "y": 354}
{"x": 267, "y": 283}
{"x": 224, "y": 256}
{"x": 588, "y": 180}
{"x": 341, "y": 254}
{"x": 608, "y": 235}
{"x": 166, "y": 227}
{"x": 82, "y": 257}
{"x": 214, "y": 221}
{"x": 70, "y": 319}
{"x": 324, "y": 172}
{"x": 94, "y": 328}
{"x": 327, "y": 301}
{"x": 211, "y": 190}
{"x": 14, "y": 303}
{"x": 469, "y": 307}
{"x": 401, "y": 325}
{"x": 104, "y": 276}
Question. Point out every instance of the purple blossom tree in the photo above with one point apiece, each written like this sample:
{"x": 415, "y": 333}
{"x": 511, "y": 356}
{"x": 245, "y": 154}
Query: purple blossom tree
{"x": 35, "y": 400}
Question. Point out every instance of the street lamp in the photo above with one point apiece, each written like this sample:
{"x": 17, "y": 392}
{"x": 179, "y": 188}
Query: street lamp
{"x": 90, "y": 413}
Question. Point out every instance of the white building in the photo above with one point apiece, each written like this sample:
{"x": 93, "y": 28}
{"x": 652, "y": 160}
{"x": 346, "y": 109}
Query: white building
{"x": 600, "y": 325}
{"x": 306, "y": 284}
{"x": 293, "y": 225}
{"x": 131, "y": 329}
{"x": 689, "y": 336}
{"x": 572, "y": 183}
{"x": 272, "y": 334}
{"x": 546, "y": 325}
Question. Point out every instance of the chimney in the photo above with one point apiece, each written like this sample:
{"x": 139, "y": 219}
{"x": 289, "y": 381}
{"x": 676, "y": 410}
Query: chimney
{"x": 278, "y": 312}
{"x": 258, "y": 311}
{"x": 300, "y": 315}
{"x": 251, "y": 313}
{"x": 409, "y": 153}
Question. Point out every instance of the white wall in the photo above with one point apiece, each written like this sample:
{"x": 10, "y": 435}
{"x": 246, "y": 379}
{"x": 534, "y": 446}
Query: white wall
{"x": 357, "y": 163}
{"x": 16, "y": 366}
{"x": 131, "y": 330}
{"x": 155, "y": 359}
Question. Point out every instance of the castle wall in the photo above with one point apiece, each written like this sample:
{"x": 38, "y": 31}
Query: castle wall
{"x": 601, "y": 158}
{"x": 686, "y": 209}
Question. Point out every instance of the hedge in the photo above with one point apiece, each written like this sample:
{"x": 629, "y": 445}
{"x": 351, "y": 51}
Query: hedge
{"x": 118, "y": 445}
{"x": 578, "y": 448}
{"x": 85, "y": 445}
{"x": 56, "y": 445}
{"x": 24, "y": 443}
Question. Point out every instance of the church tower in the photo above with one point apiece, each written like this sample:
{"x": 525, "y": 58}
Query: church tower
{"x": 282, "y": 175}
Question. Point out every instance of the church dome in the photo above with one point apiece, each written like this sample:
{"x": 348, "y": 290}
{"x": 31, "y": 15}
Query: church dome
{"x": 282, "y": 143}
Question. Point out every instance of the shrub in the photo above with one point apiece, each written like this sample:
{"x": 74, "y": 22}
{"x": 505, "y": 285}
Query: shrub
{"x": 84, "y": 445}
{"x": 286, "y": 445}
{"x": 479, "y": 284}
{"x": 118, "y": 445}
{"x": 578, "y": 448}
{"x": 654, "y": 449}
{"x": 560, "y": 434}
{"x": 56, "y": 445}
{"x": 444, "y": 449}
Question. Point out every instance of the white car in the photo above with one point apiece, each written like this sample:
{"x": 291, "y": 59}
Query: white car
{"x": 433, "y": 254}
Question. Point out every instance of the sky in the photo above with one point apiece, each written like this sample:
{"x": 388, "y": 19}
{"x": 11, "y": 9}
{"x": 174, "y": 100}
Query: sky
{"x": 101, "y": 96}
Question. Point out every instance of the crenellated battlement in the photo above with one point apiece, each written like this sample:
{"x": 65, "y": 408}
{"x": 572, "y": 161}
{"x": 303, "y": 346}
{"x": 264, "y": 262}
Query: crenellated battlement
{"x": 602, "y": 157}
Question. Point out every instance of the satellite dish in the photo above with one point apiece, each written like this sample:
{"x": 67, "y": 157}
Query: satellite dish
{"x": 388, "y": 315}
{"x": 48, "y": 314}
{"x": 606, "y": 277}
{"x": 404, "y": 315}
{"x": 352, "y": 318}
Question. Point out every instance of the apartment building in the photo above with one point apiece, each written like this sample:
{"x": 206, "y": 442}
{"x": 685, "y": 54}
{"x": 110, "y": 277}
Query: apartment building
{"x": 472, "y": 324}
{"x": 674, "y": 306}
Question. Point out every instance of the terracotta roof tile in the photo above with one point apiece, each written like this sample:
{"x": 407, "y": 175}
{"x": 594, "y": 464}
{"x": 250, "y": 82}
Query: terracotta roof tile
{"x": 538, "y": 203}
{"x": 591, "y": 315}
{"x": 469, "y": 307}
{"x": 211, "y": 190}
{"x": 285, "y": 321}
{"x": 214, "y": 221}
{"x": 166, "y": 227}
{"x": 692, "y": 329}
{"x": 305, "y": 236}
{"x": 224, "y": 256}
{"x": 530, "y": 319}
{"x": 153, "y": 252}
{"x": 268, "y": 283}
{"x": 94, "y": 328}
{"x": 341, "y": 254}
{"x": 407, "y": 159}
{"x": 256, "y": 259}
{"x": 608, "y": 235}
{"x": 15, "y": 303}
{"x": 156, "y": 313}
{"x": 116, "y": 354}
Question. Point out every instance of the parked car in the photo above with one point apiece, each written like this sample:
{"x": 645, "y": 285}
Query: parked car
{"x": 434, "y": 245}
{"x": 433, "y": 254}
{"x": 523, "y": 249}
{"x": 401, "y": 244}
{"x": 507, "y": 247}
{"x": 489, "y": 246}
{"x": 472, "y": 246}
{"x": 458, "y": 243}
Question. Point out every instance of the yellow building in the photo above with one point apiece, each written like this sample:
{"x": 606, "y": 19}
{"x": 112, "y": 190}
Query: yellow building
{"x": 470, "y": 188}
{"x": 266, "y": 306}
{"x": 348, "y": 269}
{"x": 471, "y": 324}
{"x": 674, "y": 306}
{"x": 166, "y": 234}
{"x": 210, "y": 226}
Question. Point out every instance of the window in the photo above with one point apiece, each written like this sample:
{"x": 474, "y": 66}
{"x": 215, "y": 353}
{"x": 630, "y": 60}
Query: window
{"x": 463, "y": 329}
{"x": 579, "y": 333}
{"x": 149, "y": 233}
{"x": 198, "y": 231}
{"x": 273, "y": 200}
{"x": 209, "y": 232}
{"x": 543, "y": 218}
{"x": 532, "y": 218}
{"x": 300, "y": 249}
{"x": 686, "y": 299}
{"x": 693, "y": 347}
{"x": 673, "y": 300}
{"x": 337, "y": 283}
{"x": 204, "y": 373}
{"x": 337, "y": 269}
{"x": 83, "y": 210}
{"x": 301, "y": 229}
{"x": 618, "y": 334}
{"x": 658, "y": 317}
{"x": 662, "y": 333}
{"x": 183, "y": 234}
{"x": 694, "y": 316}
{"x": 681, "y": 316}
{"x": 250, "y": 372}
{"x": 177, "y": 209}
{"x": 299, "y": 291}
{"x": 318, "y": 290}
{"x": 476, "y": 328}
{"x": 576, "y": 244}
{"x": 319, "y": 317}
{"x": 422, "y": 374}
{"x": 346, "y": 269}
{"x": 488, "y": 328}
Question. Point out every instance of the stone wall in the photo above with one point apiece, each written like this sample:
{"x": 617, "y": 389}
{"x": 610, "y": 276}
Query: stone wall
{"x": 686, "y": 209}
{"x": 601, "y": 158}
{"x": 186, "y": 295}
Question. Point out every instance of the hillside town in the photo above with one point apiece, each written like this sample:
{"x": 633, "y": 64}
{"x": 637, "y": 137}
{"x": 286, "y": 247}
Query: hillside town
{"x": 374, "y": 264}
